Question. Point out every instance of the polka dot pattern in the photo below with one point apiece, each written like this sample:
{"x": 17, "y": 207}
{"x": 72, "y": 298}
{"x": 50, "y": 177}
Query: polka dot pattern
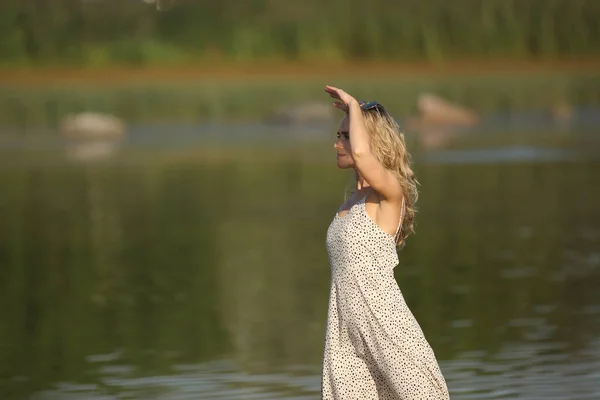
{"x": 374, "y": 347}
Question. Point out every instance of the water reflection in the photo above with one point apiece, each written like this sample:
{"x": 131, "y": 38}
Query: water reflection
{"x": 203, "y": 275}
{"x": 518, "y": 371}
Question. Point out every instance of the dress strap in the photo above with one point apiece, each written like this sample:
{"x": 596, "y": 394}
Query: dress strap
{"x": 402, "y": 212}
{"x": 367, "y": 193}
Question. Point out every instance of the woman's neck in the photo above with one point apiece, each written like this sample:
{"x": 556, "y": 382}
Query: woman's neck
{"x": 360, "y": 182}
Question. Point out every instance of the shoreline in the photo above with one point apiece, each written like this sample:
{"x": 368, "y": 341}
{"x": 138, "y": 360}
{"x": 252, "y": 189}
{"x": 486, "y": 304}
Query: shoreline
{"x": 206, "y": 71}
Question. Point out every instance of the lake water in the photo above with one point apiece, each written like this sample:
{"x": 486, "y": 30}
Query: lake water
{"x": 198, "y": 272}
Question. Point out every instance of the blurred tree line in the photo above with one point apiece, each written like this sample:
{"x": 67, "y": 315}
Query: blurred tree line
{"x": 105, "y": 32}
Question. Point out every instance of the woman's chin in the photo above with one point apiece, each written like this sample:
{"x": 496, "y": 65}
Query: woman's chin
{"x": 343, "y": 165}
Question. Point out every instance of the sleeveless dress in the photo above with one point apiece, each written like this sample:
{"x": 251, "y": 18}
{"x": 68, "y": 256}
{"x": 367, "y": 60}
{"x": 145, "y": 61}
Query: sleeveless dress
{"x": 374, "y": 347}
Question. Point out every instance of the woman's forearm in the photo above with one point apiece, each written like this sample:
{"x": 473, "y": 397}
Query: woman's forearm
{"x": 359, "y": 137}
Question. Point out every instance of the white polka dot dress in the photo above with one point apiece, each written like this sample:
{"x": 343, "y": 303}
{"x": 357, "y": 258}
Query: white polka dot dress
{"x": 374, "y": 347}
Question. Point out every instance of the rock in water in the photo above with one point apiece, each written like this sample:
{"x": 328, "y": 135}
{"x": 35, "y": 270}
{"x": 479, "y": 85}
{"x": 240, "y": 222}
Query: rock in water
{"x": 91, "y": 136}
{"x": 305, "y": 113}
{"x": 562, "y": 113}
{"x": 439, "y": 121}
{"x": 436, "y": 111}
{"x": 89, "y": 125}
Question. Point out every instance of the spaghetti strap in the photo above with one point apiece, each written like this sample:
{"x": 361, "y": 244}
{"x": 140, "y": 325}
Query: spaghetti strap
{"x": 402, "y": 212}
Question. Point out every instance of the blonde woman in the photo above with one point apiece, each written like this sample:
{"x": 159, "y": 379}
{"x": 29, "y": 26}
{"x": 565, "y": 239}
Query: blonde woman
{"x": 374, "y": 347}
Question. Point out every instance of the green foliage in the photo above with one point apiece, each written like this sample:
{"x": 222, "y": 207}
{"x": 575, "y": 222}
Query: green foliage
{"x": 231, "y": 101}
{"x": 309, "y": 30}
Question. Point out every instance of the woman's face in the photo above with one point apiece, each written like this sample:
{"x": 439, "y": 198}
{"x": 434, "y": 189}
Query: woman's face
{"x": 342, "y": 145}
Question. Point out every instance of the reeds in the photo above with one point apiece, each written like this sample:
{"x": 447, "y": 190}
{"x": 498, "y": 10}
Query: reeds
{"x": 113, "y": 31}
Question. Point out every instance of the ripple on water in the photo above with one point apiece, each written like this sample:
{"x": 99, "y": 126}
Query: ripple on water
{"x": 525, "y": 371}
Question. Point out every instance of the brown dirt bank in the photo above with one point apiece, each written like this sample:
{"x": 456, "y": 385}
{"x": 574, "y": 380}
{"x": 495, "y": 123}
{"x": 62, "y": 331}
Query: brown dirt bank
{"x": 41, "y": 76}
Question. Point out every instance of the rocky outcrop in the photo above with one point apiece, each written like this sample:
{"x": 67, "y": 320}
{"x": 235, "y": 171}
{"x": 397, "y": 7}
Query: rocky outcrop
{"x": 439, "y": 121}
{"x": 89, "y": 125}
{"x": 433, "y": 110}
{"x": 305, "y": 113}
{"x": 91, "y": 136}
{"x": 561, "y": 112}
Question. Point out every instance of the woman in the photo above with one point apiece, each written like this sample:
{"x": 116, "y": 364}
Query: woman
{"x": 374, "y": 347}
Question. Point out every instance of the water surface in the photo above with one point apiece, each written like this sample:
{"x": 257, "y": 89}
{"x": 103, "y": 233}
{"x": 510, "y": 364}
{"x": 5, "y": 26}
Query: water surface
{"x": 183, "y": 272}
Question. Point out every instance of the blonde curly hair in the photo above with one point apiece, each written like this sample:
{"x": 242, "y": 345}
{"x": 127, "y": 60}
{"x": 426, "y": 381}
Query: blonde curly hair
{"x": 387, "y": 144}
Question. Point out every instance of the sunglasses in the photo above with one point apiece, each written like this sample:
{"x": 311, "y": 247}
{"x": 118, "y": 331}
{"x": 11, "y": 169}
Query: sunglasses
{"x": 370, "y": 105}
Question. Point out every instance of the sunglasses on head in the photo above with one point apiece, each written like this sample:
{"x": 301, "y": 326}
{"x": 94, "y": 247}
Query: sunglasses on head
{"x": 370, "y": 105}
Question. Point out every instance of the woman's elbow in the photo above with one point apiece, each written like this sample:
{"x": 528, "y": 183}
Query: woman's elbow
{"x": 359, "y": 153}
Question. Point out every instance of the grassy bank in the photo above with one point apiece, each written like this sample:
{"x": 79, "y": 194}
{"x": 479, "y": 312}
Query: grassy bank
{"x": 197, "y": 96}
{"x": 270, "y": 70}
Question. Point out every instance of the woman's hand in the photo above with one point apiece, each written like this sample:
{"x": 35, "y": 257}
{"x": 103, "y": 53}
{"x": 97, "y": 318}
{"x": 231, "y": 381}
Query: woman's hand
{"x": 345, "y": 99}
